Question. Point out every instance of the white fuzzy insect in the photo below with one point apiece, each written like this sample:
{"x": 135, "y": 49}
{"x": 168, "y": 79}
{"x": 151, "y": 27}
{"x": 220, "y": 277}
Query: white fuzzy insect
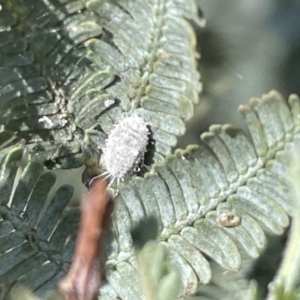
{"x": 125, "y": 147}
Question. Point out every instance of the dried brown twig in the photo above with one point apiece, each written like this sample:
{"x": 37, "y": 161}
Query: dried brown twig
{"x": 86, "y": 272}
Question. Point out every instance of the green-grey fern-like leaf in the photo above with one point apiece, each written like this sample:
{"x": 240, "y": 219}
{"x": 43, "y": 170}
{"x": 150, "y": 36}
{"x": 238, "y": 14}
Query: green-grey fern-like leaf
{"x": 151, "y": 52}
{"x": 67, "y": 67}
{"x": 226, "y": 174}
{"x": 159, "y": 278}
{"x": 37, "y": 234}
{"x": 101, "y": 64}
{"x": 186, "y": 194}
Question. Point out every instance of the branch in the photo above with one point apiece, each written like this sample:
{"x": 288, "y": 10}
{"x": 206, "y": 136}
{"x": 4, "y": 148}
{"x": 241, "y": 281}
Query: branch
{"x": 84, "y": 277}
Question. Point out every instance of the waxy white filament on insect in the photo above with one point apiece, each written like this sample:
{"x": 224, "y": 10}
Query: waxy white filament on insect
{"x": 125, "y": 147}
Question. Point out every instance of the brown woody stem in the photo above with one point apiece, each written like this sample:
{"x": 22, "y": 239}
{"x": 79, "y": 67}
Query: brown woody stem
{"x": 83, "y": 280}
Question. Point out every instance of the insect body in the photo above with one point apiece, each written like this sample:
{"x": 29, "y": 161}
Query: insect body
{"x": 228, "y": 219}
{"x": 125, "y": 147}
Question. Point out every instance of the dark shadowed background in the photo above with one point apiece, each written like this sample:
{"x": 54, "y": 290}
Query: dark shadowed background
{"x": 247, "y": 49}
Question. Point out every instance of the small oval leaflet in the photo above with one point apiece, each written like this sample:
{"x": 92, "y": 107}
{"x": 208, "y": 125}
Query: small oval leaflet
{"x": 125, "y": 147}
{"x": 228, "y": 219}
